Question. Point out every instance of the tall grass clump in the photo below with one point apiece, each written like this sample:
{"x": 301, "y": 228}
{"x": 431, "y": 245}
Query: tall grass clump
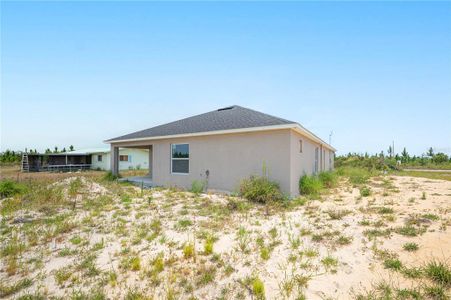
{"x": 197, "y": 187}
{"x": 109, "y": 176}
{"x": 10, "y": 188}
{"x": 258, "y": 288}
{"x": 310, "y": 185}
{"x": 439, "y": 272}
{"x": 261, "y": 190}
{"x": 328, "y": 179}
{"x": 356, "y": 176}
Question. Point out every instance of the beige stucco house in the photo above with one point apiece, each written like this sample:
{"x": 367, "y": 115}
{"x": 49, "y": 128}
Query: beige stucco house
{"x": 224, "y": 146}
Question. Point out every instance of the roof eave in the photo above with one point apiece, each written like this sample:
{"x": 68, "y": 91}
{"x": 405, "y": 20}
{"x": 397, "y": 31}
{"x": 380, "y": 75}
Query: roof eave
{"x": 294, "y": 126}
{"x": 204, "y": 133}
{"x": 304, "y": 131}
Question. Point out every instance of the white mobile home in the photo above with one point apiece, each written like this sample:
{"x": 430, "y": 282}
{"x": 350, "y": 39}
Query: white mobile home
{"x": 128, "y": 159}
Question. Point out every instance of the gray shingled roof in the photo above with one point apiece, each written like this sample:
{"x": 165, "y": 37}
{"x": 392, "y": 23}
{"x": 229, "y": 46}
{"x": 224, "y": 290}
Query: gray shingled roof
{"x": 233, "y": 117}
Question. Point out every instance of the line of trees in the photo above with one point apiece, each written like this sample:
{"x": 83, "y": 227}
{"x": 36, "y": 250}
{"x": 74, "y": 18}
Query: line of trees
{"x": 429, "y": 159}
{"x": 57, "y": 150}
{"x": 11, "y": 156}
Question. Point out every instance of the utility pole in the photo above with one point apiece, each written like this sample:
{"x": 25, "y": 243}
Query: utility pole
{"x": 393, "y": 148}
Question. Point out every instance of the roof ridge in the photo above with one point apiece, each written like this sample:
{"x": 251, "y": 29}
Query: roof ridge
{"x": 225, "y": 118}
{"x": 281, "y": 119}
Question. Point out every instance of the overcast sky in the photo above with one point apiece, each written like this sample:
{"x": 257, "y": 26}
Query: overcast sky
{"x": 80, "y": 73}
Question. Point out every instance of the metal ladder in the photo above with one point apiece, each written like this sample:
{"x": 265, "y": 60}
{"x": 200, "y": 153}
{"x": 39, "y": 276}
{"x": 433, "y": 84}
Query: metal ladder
{"x": 25, "y": 166}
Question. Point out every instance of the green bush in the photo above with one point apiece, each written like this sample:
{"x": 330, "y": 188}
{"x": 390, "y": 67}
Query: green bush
{"x": 258, "y": 288}
{"x": 356, "y": 175}
{"x": 365, "y": 191}
{"x": 328, "y": 179}
{"x": 10, "y": 188}
{"x": 197, "y": 186}
{"x": 439, "y": 272}
{"x": 260, "y": 189}
{"x": 394, "y": 264}
{"x": 109, "y": 176}
{"x": 410, "y": 246}
{"x": 310, "y": 185}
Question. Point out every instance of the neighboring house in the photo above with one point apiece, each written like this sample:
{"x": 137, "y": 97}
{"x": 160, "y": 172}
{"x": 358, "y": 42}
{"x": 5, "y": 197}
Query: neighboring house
{"x": 82, "y": 159}
{"x": 226, "y": 145}
{"x": 128, "y": 159}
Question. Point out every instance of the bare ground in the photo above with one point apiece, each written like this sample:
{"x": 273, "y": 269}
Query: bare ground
{"x": 121, "y": 242}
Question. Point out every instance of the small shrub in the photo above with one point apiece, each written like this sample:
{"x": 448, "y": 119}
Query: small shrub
{"x": 356, "y": 176}
{"x": 131, "y": 263}
{"x": 10, "y": 188}
{"x": 76, "y": 240}
{"x": 329, "y": 262}
{"x": 310, "y": 185}
{"x": 208, "y": 246}
{"x": 365, "y": 222}
{"x": 6, "y": 290}
{"x": 197, "y": 186}
{"x": 344, "y": 240}
{"x": 206, "y": 275}
{"x": 299, "y": 201}
{"x": 158, "y": 264}
{"x": 109, "y": 176}
{"x": 423, "y": 196}
{"x": 188, "y": 250}
{"x": 373, "y": 233}
{"x": 62, "y": 275}
{"x": 317, "y": 237}
{"x": 393, "y": 264}
{"x": 328, "y": 179}
{"x": 66, "y": 252}
{"x": 436, "y": 292}
{"x": 184, "y": 223}
{"x": 410, "y": 246}
{"x": 126, "y": 199}
{"x": 261, "y": 190}
{"x": 337, "y": 214}
{"x": 243, "y": 238}
{"x": 365, "y": 191}
{"x": 408, "y": 230}
{"x": 273, "y": 233}
{"x": 135, "y": 263}
{"x": 431, "y": 217}
{"x": 310, "y": 252}
{"x": 265, "y": 253}
{"x": 258, "y": 288}
{"x": 385, "y": 210}
{"x": 412, "y": 272}
{"x": 438, "y": 272}
{"x": 295, "y": 242}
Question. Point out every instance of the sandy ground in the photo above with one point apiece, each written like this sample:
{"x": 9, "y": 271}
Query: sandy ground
{"x": 319, "y": 250}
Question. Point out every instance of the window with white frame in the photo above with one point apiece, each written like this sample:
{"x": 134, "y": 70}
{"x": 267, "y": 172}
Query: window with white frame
{"x": 123, "y": 158}
{"x": 99, "y": 157}
{"x": 180, "y": 158}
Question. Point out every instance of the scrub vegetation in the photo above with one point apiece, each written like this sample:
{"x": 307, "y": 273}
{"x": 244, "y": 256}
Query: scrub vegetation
{"x": 353, "y": 233}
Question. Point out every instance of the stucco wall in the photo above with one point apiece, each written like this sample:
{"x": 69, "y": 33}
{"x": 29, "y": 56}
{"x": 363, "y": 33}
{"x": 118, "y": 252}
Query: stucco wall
{"x": 232, "y": 157}
{"x": 304, "y": 163}
{"x": 139, "y": 157}
{"x": 228, "y": 157}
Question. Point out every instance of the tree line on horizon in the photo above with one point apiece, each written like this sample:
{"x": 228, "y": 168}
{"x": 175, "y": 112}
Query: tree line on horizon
{"x": 392, "y": 160}
{"x": 11, "y": 156}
